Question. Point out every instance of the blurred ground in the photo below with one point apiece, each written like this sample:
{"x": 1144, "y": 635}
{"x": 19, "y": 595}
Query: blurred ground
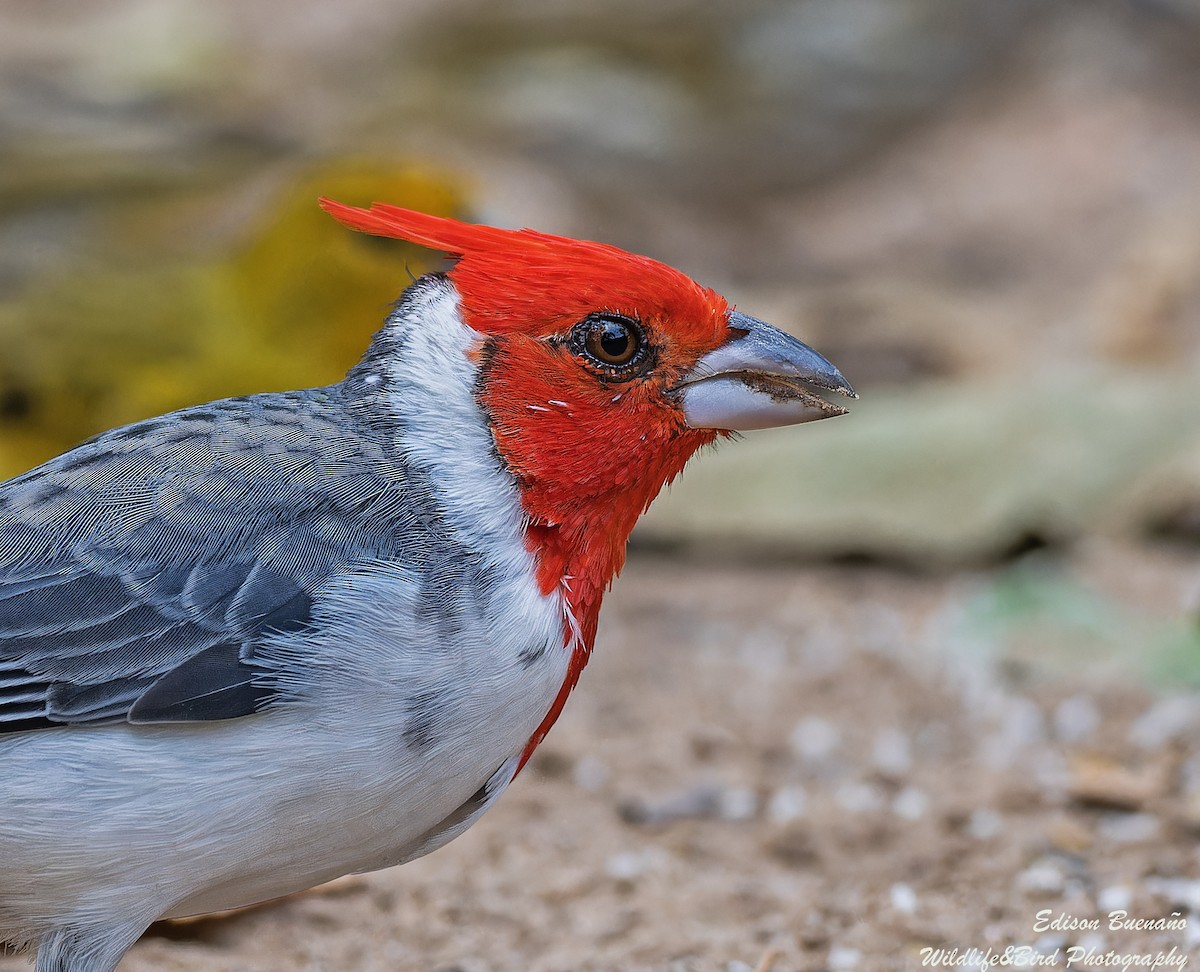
{"x": 808, "y": 768}
{"x": 902, "y": 679}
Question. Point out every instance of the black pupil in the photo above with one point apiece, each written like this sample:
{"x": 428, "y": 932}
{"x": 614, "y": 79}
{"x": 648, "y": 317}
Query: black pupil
{"x": 615, "y": 341}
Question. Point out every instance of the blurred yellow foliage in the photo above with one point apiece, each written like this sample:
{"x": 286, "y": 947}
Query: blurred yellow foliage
{"x": 292, "y": 305}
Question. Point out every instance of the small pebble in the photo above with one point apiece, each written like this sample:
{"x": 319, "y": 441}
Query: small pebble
{"x": 892, "y": 753}
{"x": 1181, "y": 892}
{"x": 1049, "y": 943}
{"x": 1076, "y": 719}
{"x": 590, "y": 774}
{"x": 630, "y": 865}
{"x": 1069, "y": 834}
{"x": 1116, "y": 897}
{"x": 842, "y": 959}
{"x": 736, "y": 966}
{"x": 1021, "y": 727}
{"x": 700, "y": 801}
{"x": 984, "y": 824}
{"x": 1042, "y": 877}
{"x": 1191, "y": 936}
{"x": 910, "y": 803}
{"x": 903, "y": 898}
{"x": 1100, "y": 781}
{"x": 814, "y": 739}
{"x": 1189, "y": 773}
{"x": 1129, "y": 828}
{"x": 788, "y": 803}
{"x": 855, "y": 796}
{"x": 1169, "y": 719}
{"x": 738, "y": 804}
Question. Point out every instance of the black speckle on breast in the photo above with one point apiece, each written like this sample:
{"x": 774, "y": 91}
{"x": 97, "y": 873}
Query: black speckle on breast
{"x": 531, "y": 654}
{"x": 426, "y": 714}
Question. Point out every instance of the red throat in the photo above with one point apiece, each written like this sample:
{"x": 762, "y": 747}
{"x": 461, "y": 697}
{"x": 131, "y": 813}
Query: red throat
{"x": 587, "y": 473}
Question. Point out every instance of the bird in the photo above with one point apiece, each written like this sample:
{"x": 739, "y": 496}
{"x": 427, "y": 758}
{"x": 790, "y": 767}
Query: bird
{"x": 253, "y": 645}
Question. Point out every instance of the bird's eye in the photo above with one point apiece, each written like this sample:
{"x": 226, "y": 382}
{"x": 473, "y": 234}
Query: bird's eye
{"x": 611, "y": 340}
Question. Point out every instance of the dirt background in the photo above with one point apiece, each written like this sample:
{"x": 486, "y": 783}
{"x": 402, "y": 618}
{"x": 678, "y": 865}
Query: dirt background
{"x": 898, "y": 681}
{"x": 786, "y": 768}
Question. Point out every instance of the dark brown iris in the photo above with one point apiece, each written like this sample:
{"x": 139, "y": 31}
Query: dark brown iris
{"x": 612, "y": 341}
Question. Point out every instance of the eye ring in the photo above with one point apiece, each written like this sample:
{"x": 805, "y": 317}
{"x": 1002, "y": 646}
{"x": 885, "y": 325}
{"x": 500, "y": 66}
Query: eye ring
{"x": 613, "y": 342}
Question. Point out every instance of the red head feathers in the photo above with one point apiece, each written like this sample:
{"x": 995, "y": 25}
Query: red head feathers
{"x": 523, "y": 280}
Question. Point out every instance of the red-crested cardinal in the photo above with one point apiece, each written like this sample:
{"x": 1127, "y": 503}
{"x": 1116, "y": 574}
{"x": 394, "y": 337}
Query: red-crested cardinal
{"x": 253, "y": 645}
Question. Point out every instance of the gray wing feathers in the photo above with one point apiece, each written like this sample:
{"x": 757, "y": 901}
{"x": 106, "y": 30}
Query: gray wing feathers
{"x": 139, "y": 571}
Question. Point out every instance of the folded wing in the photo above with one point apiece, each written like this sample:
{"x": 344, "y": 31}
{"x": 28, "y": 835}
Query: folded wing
{"x": 140, "y": 571}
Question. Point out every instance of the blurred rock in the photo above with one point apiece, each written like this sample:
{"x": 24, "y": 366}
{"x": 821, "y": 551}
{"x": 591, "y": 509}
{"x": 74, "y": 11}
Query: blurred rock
{"x": 1076, "y": 718}
{"x": 591, "y": 774}
{"x": 815, "y": 740}
{"x": 946, "y": 475}
{"x": 787, "y": 804}
{"x": 628, "y": 866}
{"x": 1130, "y": 828}
{"x": 1047, "y": 875}
{"x": 891, "y": 753}
{"x": 985, "y": 824}
{"x": 1101, "y": 781}
{"x": 903, "y": 899}
{"x": 1069, "y": 835}
{"x": 1180, "y": 892}
{"x": 738, "y": 804}
{"x": 775, "y": 92}
{"x": 705, "y": 801}
{"x": 1175, "y": 717}
{"x": 910, "y": 803}
{"x": 858, "y": 796}
{"x": 842, "y": 958}
{"x": 1114, "y": 897}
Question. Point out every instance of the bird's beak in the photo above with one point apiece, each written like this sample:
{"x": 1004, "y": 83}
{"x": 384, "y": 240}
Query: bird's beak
{"x": 760, "y": 378}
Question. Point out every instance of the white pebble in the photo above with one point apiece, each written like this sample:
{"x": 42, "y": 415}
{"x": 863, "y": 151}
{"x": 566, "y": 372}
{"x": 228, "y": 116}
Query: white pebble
{"x": 854, "y": 796}
{"x": 1076, "y": 719}
{"x": 628, "y": 865}
{"x": 842, "y": 959}
{"x": 1191, "y": 937}
{"x": 892, "y": 752}
{"x": 815, "y": 739}
{"x": 590, "y": 774}
{"x": 1116, "y": 897}
{"x": 1129, "y": 828}
{"x": 1092, "y": 942}
{"x": 910, "y": 803}
{"x": 1044, "y": 946}
{"x": 1041, "y": 877}
{"x": 1184, "y": 892}
{"x": 1021, "y": 727}
{"x": 904, "y": 899}
{"x": 1177, "y": 717}
{"x": 984, "y": 824}
{"x": 737, "y": 804}
{"x": 788, "y": 803}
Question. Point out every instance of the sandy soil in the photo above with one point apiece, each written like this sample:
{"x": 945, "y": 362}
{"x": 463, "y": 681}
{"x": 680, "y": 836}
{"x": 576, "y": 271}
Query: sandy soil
{"x": 788, "y": 768}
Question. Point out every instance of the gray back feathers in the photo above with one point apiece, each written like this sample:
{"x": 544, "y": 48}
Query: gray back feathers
{"x": 139, "y": 571}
